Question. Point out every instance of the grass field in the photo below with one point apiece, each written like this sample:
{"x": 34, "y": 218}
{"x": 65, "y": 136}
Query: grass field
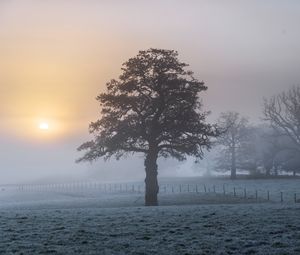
{"x": 57, "y": 222}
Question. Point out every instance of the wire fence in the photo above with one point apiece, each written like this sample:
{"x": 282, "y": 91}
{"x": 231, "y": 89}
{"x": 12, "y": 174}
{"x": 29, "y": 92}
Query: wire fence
{"x": 257, "y": 194}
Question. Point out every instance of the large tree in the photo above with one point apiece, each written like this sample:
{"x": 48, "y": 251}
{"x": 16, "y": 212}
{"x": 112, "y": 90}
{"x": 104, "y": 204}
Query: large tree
{"x": 153, "y": 108}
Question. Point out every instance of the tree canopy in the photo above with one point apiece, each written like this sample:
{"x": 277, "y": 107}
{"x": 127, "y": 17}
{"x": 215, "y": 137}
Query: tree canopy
{"x": 154, "y": 101}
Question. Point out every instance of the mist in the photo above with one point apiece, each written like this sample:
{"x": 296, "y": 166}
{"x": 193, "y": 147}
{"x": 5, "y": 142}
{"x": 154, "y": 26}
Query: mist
{"x": 242, "y": 51}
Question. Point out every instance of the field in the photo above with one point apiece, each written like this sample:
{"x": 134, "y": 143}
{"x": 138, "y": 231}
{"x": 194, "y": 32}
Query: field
{"x": 92, "y": 222}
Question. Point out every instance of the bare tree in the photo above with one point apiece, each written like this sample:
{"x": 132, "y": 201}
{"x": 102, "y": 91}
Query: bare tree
{"x": 234, "y": 129}
{"x": 283, "y": 113}
{"x": 154, "y": 109}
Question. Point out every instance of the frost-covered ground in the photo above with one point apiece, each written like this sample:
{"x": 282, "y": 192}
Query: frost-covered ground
{"x": 90, "y": 222}
{"x": 288, "y": 187}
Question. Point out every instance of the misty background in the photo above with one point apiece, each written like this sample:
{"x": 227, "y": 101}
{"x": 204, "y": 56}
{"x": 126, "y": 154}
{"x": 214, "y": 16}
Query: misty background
{"x": 56, "y": 57}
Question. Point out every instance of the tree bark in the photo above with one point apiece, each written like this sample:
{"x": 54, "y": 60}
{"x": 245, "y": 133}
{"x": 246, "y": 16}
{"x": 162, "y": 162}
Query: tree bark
{"x": 233, "y": 164}
{"x": 151, "y": 182}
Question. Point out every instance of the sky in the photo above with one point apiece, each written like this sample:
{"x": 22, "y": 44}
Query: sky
{"x": 56, "y": 57}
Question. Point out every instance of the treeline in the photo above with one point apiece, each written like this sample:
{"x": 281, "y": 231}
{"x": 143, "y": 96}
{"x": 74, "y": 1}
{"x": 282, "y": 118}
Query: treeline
{"x": 266, "y": 149}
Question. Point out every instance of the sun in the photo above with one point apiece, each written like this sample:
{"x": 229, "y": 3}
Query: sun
{"x": 44, "y": 126}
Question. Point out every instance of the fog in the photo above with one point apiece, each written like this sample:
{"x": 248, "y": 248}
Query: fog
{"x": 56, "y": 56}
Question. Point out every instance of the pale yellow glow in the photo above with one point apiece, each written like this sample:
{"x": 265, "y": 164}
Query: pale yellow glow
{"x": 53, "y": 65}
{"x": 50, "y": 73}
{"x": 46, "y": 129}
{"x": 44, "y": 126}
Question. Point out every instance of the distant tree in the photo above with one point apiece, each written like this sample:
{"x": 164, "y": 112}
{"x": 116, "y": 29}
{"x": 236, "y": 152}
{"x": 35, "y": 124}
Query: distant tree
{"x": 153, "y": 108}
{"x": 249, "y": 151}
{"x": 291, "y": 163}
{"x": 271, "y": 146}
{"x": 283, "y": 113}
{"x": 287, "y": 158}
{"x": 265, "y": 151}
{"x": 275, "y": 152}
{"x": 233, "y": 133}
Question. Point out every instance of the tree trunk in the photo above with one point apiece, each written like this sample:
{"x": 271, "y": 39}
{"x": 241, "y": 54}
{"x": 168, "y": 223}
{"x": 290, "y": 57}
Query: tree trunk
{"x": 233, "y": 164}
{"x": 151, "y": 179}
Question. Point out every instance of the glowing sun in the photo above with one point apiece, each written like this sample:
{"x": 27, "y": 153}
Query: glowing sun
{"x": 44, "y": 126}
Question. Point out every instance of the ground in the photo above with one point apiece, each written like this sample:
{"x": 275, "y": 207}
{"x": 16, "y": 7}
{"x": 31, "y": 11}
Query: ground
{"x": 89, "y": 223}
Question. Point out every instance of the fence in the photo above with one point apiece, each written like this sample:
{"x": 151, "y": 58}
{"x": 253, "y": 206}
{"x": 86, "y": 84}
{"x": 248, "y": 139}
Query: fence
{"x": 239, "y": 192}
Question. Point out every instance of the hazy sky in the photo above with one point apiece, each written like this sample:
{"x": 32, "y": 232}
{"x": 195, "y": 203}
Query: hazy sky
{"x": 56, "y": 56}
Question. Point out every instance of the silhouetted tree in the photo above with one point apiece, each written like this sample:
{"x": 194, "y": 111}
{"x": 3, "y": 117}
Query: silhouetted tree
{"x": 234, "y": 131}
{"x": 153, "y": 108}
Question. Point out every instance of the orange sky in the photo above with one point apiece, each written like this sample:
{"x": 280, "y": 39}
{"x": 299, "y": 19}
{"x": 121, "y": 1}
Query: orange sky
{"x": 50, "y": 67}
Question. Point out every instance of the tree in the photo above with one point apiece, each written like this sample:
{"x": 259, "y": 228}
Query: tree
{"x": 154, "y": 109}
{"x": 234, "y": 131}
{"x": 274, "y": 151}
{"x": 249, "y": 152}
{"x": 271, "y": 147}
{"x": 292, "y": 163}
{"x": 283, "y": 113}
